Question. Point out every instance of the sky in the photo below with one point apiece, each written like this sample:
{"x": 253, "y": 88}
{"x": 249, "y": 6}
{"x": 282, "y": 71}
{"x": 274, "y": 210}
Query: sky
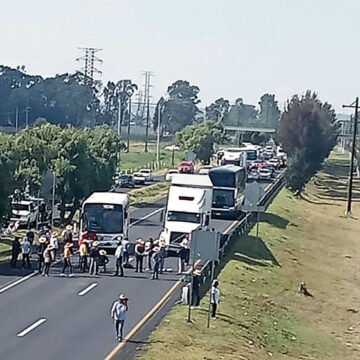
{"x": 229, "y": 48}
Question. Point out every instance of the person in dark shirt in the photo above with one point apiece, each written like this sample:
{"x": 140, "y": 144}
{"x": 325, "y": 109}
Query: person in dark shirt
{"x": 15, "y": 251}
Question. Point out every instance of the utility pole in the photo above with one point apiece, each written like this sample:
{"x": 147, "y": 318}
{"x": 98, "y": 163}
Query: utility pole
{"x": 27, "y": 109}
{"x": 119, "y": 116}
{"x": 17, "y": 119}
{"x": 128, "y": 128}
{"x": 354, "y": 105}
{"x": 147, "y": 86}
{"x": 89, "y": 59}
{"x": 158, "y": 136}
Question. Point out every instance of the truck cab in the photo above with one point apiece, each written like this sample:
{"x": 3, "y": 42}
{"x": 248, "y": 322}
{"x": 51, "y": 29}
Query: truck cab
{"x": 188, "y": 207}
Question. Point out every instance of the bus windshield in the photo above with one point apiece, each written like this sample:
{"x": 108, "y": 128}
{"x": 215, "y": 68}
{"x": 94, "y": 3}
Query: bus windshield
{"x": 183, "y": 216}
{"x": 103, "y": 218}
{"x": 223, "y": 198}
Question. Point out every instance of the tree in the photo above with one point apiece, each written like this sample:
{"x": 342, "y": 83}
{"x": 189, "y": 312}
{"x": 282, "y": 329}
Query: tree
{"x": 269, "y": 114}
{"x": 180, "y": 109}
{"x": 200, "y": 138}
{"x": 218, "y": 110}
{"x": 307, "y": 132}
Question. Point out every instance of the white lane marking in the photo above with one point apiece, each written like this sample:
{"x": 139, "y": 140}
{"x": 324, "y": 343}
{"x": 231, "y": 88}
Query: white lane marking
{"x": 18, "y": 282}
{"x": 86, "y": 290}
{"x": 147, "y": 216}
{"x": 31, "y": 327}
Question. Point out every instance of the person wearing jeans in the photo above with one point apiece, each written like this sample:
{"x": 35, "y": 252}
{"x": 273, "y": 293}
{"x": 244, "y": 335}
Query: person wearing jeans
{"x": 119, "y": 253}
{"x": 25, "y": 251}
{"x": 67, "y": 260}
{"x": 118, "y": 313}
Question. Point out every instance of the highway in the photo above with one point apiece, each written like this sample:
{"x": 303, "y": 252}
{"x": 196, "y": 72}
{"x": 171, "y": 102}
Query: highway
{"x": 55, "y": 317}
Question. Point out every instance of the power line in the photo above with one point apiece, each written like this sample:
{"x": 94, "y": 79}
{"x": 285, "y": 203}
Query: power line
{"x": 89, "y": 59}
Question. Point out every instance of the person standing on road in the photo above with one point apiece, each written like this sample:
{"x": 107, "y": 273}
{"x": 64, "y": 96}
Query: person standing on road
{"x": 118, "y": 313}
{"x": 157, "y": 261}
{"x": 186, "y": 245}
{"x": 83, "y": 253}
{"x": 149, "y": 251}
{"x": 214, "y": 298}
{"x": 25, "y": 251}
{"x": 15, "y": 251}
{"x": 163, "y": 255}
{"x": 139, "y": 254}
{"x": 40, "y": 251}
{"x": 119, "y": 253}
{"x": 94, "y": 255}
{"x": 47, "y": 259}
{"x": 181, "y": 259}
{"x": 125, "y": 244}
{"x": 67, "y": 259}
{"x": 54, "y": 242}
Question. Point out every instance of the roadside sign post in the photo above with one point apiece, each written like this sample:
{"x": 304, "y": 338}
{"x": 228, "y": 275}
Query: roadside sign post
{"x": 192, "y": 276}
{"x": 212, "y": 279}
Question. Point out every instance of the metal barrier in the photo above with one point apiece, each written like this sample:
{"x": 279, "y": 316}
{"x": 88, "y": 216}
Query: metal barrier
{"x": 240, "y": 228}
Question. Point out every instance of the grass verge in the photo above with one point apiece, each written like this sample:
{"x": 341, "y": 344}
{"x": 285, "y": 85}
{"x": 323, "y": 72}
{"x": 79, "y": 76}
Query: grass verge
{"x": 261, "y": 314}
{"x": 148, "y": 194}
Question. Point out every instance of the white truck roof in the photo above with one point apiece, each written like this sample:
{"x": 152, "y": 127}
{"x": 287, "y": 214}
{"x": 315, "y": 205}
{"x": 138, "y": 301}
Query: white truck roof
{"x": 107, "y": 198}
{"x": 191, "y": 180}
{"x": 187, "y": 200}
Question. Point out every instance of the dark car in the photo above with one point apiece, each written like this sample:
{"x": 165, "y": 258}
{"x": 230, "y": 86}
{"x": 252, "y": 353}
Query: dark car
{"x": 125, "y": 180}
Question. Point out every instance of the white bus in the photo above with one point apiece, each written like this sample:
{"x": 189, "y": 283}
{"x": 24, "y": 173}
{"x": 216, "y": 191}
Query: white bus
{"x": 107, "y": 215}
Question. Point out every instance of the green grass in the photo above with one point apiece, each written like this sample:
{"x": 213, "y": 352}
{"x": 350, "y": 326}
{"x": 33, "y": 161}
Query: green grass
{"x": 148, "y": 194}
{"x": 137, "y": 158}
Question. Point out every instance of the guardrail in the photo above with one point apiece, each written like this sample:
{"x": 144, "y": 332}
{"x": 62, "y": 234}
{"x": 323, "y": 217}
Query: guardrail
{"x": 239, "y": 228}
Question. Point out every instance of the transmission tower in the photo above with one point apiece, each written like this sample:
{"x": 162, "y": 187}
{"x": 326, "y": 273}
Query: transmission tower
{"x": 89, "y": 59}
{"x": 147, "y": 85}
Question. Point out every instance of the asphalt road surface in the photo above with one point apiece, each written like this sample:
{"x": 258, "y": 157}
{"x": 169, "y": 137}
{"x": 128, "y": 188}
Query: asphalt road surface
{"x": 56, "y": 317}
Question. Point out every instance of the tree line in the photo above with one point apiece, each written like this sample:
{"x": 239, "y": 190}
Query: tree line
{"x": 83, "y": 160}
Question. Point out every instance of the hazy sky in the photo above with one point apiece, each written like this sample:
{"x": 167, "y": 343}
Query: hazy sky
{"x": 229, "y": 48}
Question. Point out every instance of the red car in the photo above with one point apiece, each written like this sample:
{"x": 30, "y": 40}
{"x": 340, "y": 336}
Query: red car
{"x": 186, "y": 167}
{"x": 257, "y": 164}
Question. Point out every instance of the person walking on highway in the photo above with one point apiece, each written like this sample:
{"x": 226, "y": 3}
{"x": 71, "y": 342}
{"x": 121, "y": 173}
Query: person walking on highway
{"x": 54, "y": 242}
{"x": 139, "y": 254}
{"x": 119, "y": 253}
{"x": 67, "y": 259}
{"x": 214, "y": 298}
{"x": 47, "y": 259}
{"x": 25, "y": 251}
{"x": 186, "y": 245}
{"x": 118, "y": 313}
{"x": 15, "y": 251}
{"x": 40, "y": 251}
{"x": 93, "y": 255}
{"x": 163, "y": 255}
{"x": 157, "y": 261}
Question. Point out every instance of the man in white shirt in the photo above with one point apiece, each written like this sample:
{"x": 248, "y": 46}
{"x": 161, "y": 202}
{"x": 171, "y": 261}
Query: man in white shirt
{"x": 25, "y": 251}
{"x": 214, "y": 298}
{"x": 118, "y": 313}
{"x": 119, "y": 253}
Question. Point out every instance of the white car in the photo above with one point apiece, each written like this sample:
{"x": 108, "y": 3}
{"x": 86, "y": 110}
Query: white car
{"x": 139, "y": 178}
{"x": 274, "y": 162}
{"x": 264, "y": 174}
{"x": 147, "y": 173}
{"x": 24, "y": 211}
{"x": 253, "y": 175}
{"x": 170, "y": 173}
{"x": 205, "y": 169}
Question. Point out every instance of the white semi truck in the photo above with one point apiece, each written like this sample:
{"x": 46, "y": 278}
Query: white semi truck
{"x": 188, "y": 206}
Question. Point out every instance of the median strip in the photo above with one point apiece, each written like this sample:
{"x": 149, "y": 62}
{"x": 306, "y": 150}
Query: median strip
{"x": 31, "y": 327}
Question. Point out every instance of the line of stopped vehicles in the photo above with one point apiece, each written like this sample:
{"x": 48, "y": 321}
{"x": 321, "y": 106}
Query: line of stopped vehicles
{"x": 195, "y": 197}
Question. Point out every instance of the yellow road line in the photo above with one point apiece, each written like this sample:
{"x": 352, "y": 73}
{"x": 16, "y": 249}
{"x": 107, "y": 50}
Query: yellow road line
{"x": 142, "y": 321}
